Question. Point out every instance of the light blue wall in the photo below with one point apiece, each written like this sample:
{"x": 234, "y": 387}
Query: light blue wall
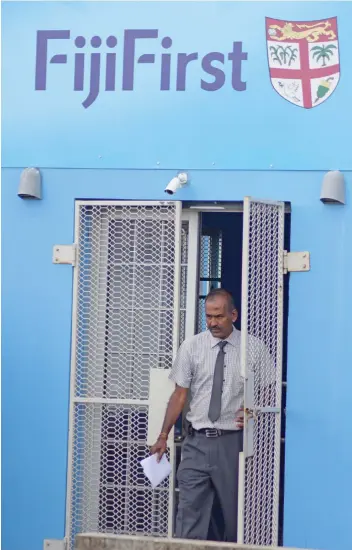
{"x": 36, "y": 347}
{"x": 243, "y": 133}
{"x": 139, "y": 128}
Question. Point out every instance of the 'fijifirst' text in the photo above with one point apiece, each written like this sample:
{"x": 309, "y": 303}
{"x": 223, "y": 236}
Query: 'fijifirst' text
{"x": 97, "y": 71}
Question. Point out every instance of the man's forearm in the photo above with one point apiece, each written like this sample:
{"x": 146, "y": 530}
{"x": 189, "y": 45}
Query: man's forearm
{"x": 173, "y": 411}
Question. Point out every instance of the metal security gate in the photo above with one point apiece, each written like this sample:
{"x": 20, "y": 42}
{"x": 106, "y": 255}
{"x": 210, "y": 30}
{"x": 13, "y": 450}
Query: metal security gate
{"x": 125, "y": 335}
{"x": 261, "y": 351}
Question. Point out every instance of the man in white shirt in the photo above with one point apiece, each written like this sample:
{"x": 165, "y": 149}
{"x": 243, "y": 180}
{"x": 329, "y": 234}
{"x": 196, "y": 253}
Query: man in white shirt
{"x": 208, "y": 365}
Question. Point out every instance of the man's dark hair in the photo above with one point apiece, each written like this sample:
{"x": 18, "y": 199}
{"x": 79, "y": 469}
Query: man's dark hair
{"x": 222, "y": 292}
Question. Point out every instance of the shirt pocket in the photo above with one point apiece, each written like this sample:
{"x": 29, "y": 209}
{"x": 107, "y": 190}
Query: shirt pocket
{"x": 203, "y": 371}
{"x": 237, "y": 384}
{"x": 237, "y": 381}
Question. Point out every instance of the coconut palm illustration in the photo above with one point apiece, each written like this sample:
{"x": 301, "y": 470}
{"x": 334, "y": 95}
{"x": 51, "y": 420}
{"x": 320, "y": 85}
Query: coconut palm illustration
{"x": 323, "y": 53}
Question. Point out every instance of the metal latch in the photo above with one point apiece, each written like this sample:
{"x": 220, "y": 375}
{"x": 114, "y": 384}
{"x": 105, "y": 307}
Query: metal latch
{"x": 64, "y": 254}
{"x": 251, "y": 417}
{"x": 256, "y": 411}
{"x": 296, "y": 261}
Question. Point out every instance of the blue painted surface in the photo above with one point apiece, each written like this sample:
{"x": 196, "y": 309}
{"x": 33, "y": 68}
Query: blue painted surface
{"x": 36, "y": 347}
{"x": 237, "y": 130}
{"x": 254, "y": 128}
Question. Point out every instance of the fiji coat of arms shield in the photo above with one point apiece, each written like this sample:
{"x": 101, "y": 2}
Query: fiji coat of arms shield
{"x": 303, "y": 59}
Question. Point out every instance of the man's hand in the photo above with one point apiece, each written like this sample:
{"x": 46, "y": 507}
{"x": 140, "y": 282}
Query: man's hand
{"x": 159, "y": 447}
{"x": 173, "y": 411}
{"x": 240, "y": 419}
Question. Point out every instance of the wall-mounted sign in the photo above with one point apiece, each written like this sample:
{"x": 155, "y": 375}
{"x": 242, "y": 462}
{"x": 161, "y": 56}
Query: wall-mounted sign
{"x": 181, "y": 85}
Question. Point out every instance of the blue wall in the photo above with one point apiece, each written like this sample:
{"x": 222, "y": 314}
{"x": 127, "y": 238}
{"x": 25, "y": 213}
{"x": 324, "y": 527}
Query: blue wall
{"x": 146, "y": 126}
{"x": 36, "y": 347}
{"x": 117, "y": 137}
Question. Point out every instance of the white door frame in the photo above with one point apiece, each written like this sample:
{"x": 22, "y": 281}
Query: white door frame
{"x": 193, "y": 219}
{"x": 192, "y": 215}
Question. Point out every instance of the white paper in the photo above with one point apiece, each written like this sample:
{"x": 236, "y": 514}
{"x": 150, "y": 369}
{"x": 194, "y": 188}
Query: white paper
{"x": 155, "y": 471}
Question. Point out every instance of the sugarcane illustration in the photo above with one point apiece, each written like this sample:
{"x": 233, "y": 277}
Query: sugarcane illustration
{"x": 283, "y": 55}
{"x": 323, "y": 88}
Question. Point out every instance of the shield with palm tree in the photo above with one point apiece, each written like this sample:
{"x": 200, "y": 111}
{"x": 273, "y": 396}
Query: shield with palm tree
{"x": 303, "y": 57}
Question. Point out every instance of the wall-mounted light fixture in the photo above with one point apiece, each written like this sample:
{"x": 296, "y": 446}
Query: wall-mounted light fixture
{"x": 30, "y": 186}
{"x": 333, "y": 188}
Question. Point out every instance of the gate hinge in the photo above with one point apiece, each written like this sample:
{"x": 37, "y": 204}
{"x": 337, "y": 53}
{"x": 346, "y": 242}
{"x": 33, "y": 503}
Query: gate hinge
{"x": 55, "y": 544}
{"x": 64, "y": 254}
{"x": 296, "y": 261}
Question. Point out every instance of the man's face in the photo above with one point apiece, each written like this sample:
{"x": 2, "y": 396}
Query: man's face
{"x": 219, "y": 317}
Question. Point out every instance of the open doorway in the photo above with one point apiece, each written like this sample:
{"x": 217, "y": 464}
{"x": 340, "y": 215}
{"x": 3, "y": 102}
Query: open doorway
{"x": 137, "y": 296}
{"x": 219, "y": 265}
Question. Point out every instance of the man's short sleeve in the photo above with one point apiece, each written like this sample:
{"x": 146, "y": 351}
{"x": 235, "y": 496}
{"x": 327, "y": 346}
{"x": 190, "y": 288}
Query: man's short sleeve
{"x": 181, "y": 372}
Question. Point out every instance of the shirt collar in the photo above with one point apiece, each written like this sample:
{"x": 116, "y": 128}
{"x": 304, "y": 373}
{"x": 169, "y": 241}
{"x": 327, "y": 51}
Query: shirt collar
{"x": 231, "y": 339}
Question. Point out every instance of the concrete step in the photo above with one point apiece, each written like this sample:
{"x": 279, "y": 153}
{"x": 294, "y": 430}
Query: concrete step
{"x": 98, "y": 541}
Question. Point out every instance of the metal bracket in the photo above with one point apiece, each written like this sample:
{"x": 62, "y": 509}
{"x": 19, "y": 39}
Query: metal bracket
{"x": 64, "y": 254}
{"x": 296, "y": 261}
{"x": 54, "y": 544}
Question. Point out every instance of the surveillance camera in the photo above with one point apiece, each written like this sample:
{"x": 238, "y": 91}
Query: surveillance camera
{"x": 172, "y": 187}
{"x": 176, "y": 183}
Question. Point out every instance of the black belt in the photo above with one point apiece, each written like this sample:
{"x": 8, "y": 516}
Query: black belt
{"x": 211, "y": 432}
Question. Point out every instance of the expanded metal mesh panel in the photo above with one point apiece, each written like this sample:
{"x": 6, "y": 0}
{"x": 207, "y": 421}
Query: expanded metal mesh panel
{"x": 209, "y": 270}
{"x": 110, "y": 491}
{"x": 125, "y": 324}
{"x": 262, "y": 323}
{"x": 210, "y": 254}
{"x": 201, "y": 321}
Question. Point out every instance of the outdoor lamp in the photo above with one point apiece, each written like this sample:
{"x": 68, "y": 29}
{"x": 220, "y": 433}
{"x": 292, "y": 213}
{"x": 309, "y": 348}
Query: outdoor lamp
{"x": 30, "y": 186}
{"x": 333, "y": 188}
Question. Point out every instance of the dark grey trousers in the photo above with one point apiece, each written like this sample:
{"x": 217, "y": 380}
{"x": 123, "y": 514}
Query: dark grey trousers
{"x": 208, "y": 466}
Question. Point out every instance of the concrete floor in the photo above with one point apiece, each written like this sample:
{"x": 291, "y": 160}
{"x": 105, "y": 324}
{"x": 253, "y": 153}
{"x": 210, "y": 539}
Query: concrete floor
{"x": 93, "y": 541}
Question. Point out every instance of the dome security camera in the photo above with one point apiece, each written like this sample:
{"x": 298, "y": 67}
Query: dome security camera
{"x": 176, "y": 183}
